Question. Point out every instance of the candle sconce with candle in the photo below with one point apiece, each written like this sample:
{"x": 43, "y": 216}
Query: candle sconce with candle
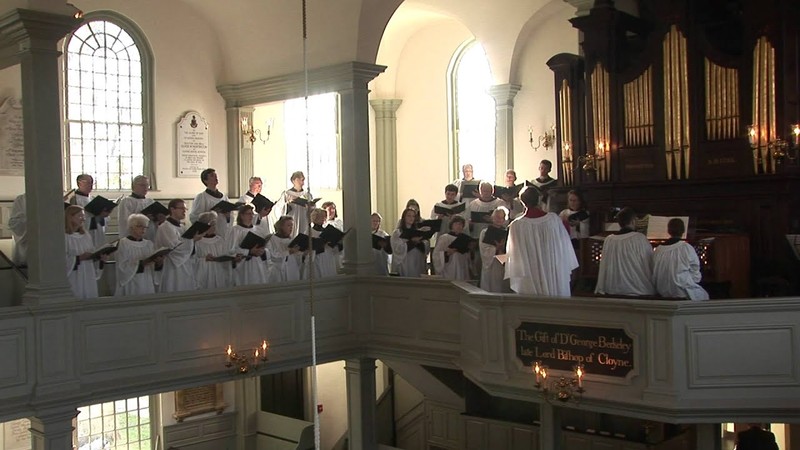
{"x": 252, "y": 133}
{"x": 562, "y": 389}
{"x": 589, "y": 162}
{"x": 244, "y": 362}
{"x": 778, "y": 148}
{"x": 546, "y": 140}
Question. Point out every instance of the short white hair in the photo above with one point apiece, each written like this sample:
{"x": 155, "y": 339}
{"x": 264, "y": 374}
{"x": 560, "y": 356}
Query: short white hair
{"x": 137, "y": 220}
{"x": 209, "y": 218}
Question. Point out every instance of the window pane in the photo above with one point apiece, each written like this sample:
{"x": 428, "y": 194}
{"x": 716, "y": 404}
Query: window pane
{"x": 323, "y": 140}
{"x": 102, "y": 99}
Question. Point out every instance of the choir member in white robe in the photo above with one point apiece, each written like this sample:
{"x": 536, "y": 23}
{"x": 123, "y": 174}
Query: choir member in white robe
{"x": 409, "y": 256}
{"x": 512, "y": 202}
{"x": 576, "y": 216}
{"x": 544, "y": 182}
{"x": 447, "y": 261}
{"x": 254, "y": 188}
{"x": 380, "y": 255}
{"x": 492, "y": 270}
{"x": 285, "y": 261}
{"x": 485, "y": 203}
{"x": 676, "y": 267}
{"x": 450, "y": 194}
{"x": 540, "y": 253}
{"x": 263, "y": 208}
{"x": 332, "y": 218}
{"x": 204, "y": 201}
{"x": 82, "y": 271}
{"x": 467, "y": 172}
{"x": 254, "y": 266}
{"x": 285, "y": 205}
{"x": 18, "y": 224}
{"x": 325, "y": 263}
{"x": 213, "y": 268}
{"x": 134, "y": 265}
{"x": 94, "y": 225}
{"x": 178, "y": 272}
{"x": 626, "y": 267}
{"x": 135, "y": 203}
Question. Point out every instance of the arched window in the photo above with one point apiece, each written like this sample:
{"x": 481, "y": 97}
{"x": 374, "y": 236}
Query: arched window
{"x": 108, "y": 95}
{"x": 472, "y": 112}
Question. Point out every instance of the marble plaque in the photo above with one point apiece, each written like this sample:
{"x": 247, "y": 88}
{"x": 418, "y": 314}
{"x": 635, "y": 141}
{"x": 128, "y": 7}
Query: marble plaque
{"x": 192, "y": 145}
{"x": 12, "y": 151}
{"x": 17, "y": 435}
{"x": 198, "y": 400}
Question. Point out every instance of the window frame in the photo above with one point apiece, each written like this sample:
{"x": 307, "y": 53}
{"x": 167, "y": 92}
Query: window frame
{"x": 148, "y": 95}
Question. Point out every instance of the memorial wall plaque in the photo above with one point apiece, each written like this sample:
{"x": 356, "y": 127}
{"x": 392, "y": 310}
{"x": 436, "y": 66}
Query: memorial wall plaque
{"x": 17, "y": 435}
{"x": 602, "y": 351}
{"x": 198, "y": 400}
{"x": 192, "y": 145}
{"x": 12, "y": 150}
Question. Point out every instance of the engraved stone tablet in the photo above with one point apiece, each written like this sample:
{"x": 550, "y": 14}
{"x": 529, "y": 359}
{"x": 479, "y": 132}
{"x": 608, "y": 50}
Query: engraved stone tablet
{"x": 12, "y": 151}
{"x": 192, "y": 142}
{"x": 198, "y": 400}
{"x": 17, "y": 435}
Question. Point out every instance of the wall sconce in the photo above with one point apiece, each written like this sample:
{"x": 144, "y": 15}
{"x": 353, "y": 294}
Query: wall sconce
{"x": 563, "y": 389}
{"x": 778, "y": 148}
{"x": 244, "y": 362}
{"x": 589, "y": 161}
{"x": 252, "y": 134}
{"x": 546, "y": 140}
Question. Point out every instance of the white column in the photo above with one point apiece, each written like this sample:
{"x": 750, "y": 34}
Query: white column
{"x": 386, "y": 156}
{"x": 504, "y": 138}
{"x": 354, "y": 103}
{"x": 550, "y": 427}
{"x": 52, "y": 430}
{"x": 361, "y": 404}
{"x": 240, "y": 151}
{"x": 582, "y": 6}
{"x": 30, "y": 38}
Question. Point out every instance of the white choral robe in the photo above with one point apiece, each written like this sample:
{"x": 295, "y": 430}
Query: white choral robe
{"x": 405, "y": 262}
{"x": 18, "y": 224}
{"x": 212, "y": 274}
{"x": 577, "y": 229}
{"x": 82, "y": 275}
{"x": 95, "y": 226}
{"x": 252, "y": 269}
{"x": 446, "y": 219}
{"x": 381, "y": 257}
{"x": 284, "y": 266}
{"x": 261, "y": 226}
{"x": 676, "y": 272}
{"x": 540, "y": 256}
{"x": 492, "y": 271}
{"x": 325, "y": 264}
{"x": 247, "y": 198}
{"x": 457, "y": 266}
{"x": 284, "y": 207}
{"x": 132, "y": 205}
{"x": 178, "y": 272}
{"x": 339, "y": 225}
{"x": 203, "y": 202}
{"x": 480, "y": 206}
{"x": 129, "y": 280}
{"x": 626, "y": 267}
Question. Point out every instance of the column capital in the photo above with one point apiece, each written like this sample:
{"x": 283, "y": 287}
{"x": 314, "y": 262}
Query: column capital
{"x": 385, "y": 108}
{"x": 23, "y": 30}
{"x": 583, "y": 6}
{"x": 504, "y": 94}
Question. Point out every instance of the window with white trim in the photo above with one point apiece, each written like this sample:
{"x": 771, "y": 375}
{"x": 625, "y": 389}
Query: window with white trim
{"x": 108, "y": 102}
{"x": 120, "y": 425}
{"x": 472, "y": 112}
{"x": 321, "y": 165}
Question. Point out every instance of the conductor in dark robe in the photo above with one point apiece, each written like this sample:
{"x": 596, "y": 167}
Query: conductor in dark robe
{"x": 756, "y": 438}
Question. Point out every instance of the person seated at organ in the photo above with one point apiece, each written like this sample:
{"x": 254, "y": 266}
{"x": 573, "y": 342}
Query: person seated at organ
{"x": 676, "y": 267}
{"x": 626, "y": 267}
{"x": 492, "y": 270}
{"x": 576, "y": 215}
{"x": 135, "y": 203}
{"x": 451, "y": 257}
{"x": 409, "y": 249}
{"x": 254, "y": 188}
{"x": 83, "y": 268}
{"x": 540, "y": 254}
{"x": 135, "y": 260}
{"x": 206, "y": 200}
{"x": 178, "y": 272}
{"x": 214, "y": 259}
{"x": 479, "y": 210}
{"x": 285, "y": 260}
{"x": 381, "y": 253}
{"x": 296, "y": 202}
{"x": 326, "y": 262}
{"x": 253, "y": 266}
